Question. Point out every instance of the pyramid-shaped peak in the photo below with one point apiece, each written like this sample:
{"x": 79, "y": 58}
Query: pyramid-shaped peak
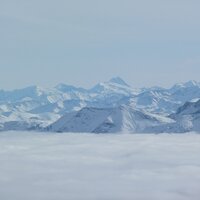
{"x": 119, "y": 81}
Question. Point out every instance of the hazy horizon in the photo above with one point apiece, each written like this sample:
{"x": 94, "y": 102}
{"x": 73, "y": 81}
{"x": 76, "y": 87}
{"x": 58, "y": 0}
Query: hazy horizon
{"x": 147, "y": 43}
{"x": 79, "y": 86}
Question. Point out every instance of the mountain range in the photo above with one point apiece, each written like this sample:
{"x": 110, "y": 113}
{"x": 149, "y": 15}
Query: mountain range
{"x": 108, "y": 107}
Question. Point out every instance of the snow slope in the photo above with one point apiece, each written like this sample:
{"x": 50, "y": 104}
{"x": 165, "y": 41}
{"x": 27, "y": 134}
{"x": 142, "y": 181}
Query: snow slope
{"x": 188, "y": 116}
{"x": 107, "y": 120}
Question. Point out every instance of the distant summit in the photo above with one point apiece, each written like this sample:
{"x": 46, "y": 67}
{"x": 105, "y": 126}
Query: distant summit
{"x": 119, "y": 81}
{"x": 189, "y": 84}
{"x": 69, "y": 88}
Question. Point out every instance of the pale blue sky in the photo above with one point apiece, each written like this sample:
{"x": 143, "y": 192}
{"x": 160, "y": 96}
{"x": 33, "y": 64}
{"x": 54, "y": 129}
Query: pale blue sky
{"x": 78, "y": 42}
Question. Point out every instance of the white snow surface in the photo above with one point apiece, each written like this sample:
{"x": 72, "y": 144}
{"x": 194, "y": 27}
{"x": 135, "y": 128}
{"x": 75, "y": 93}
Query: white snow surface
{"x": 108, "y": 120}
{"x": 46, "y": 166}
{"x": 36, "y": 107}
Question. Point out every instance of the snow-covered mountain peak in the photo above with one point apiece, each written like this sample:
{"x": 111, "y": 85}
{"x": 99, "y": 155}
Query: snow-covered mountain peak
{"x": 36, "y": 90}
{"x": 107, "y": 120}
{"x": 192, "y": 83}
{"x": 118, "y": 80}
{"x": 68, "y": 88}
{"x": 113, "y": 86}
{"x": 189, "y": 84}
